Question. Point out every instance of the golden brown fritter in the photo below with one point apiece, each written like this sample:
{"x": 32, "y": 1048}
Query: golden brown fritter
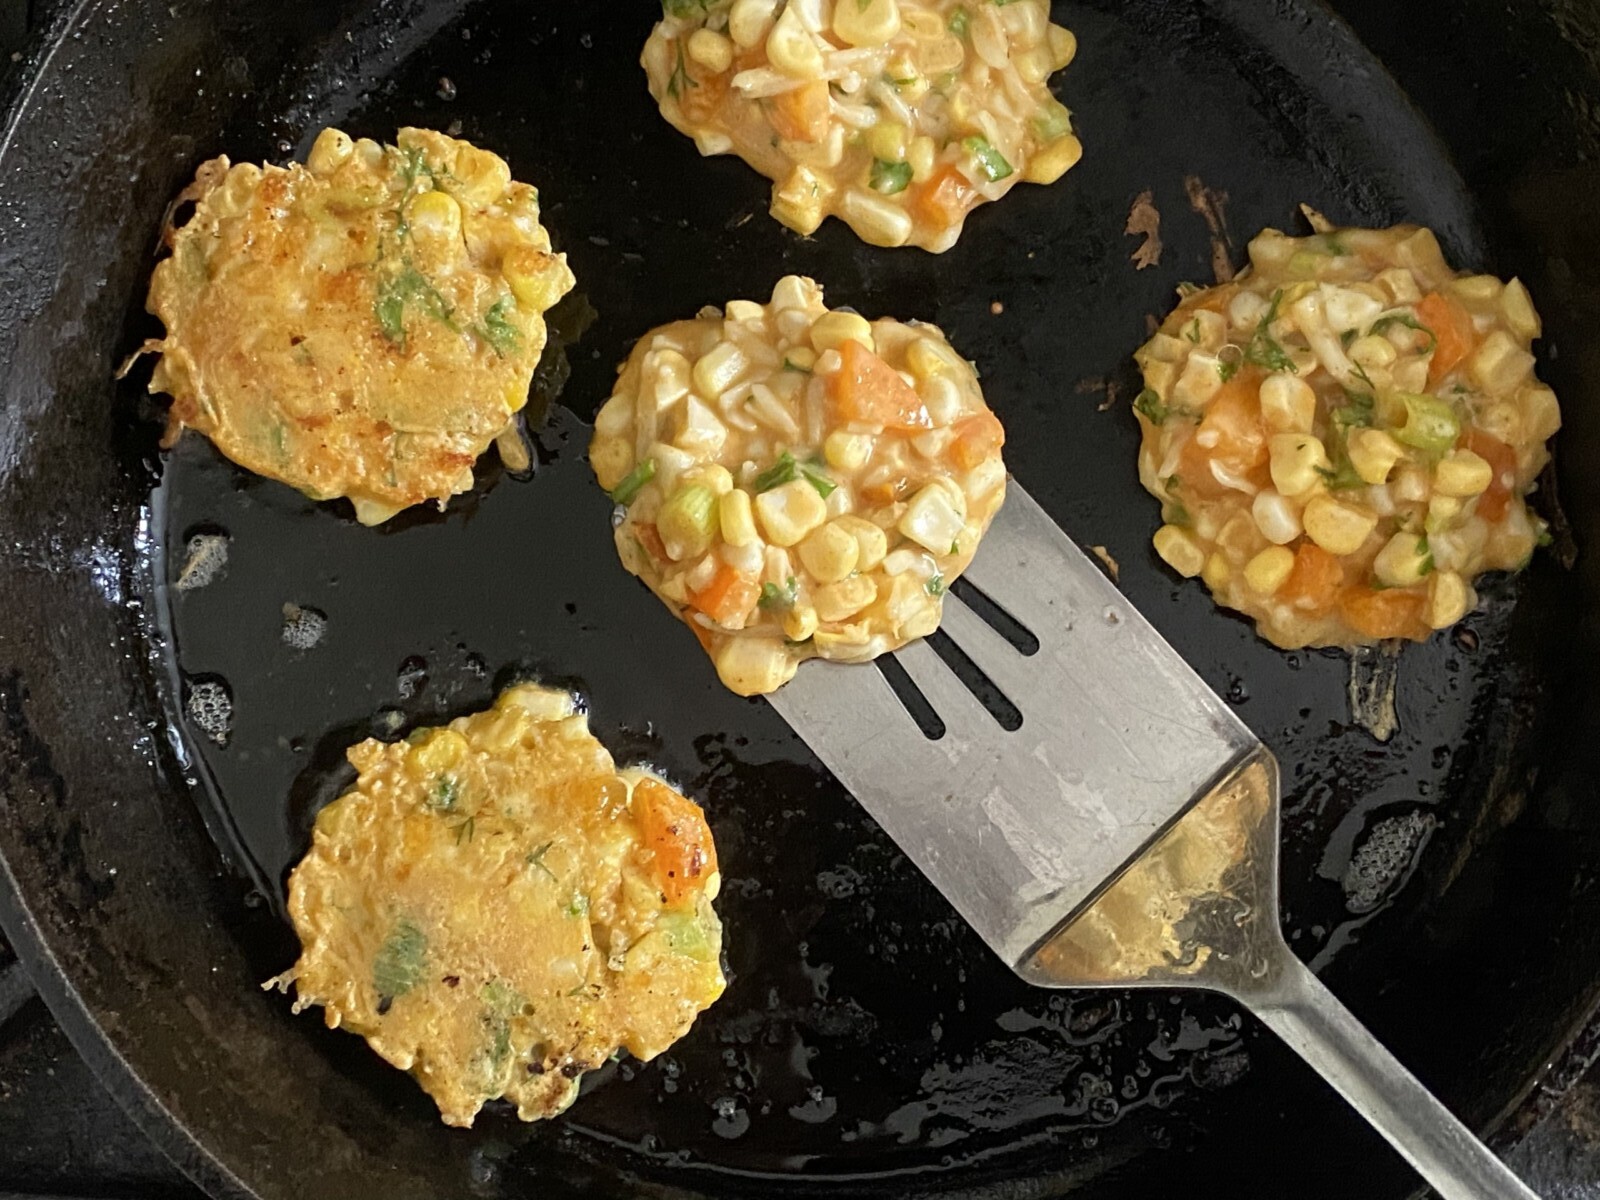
{"x": 497, "y": 908}
{"x": 363, "y": 325}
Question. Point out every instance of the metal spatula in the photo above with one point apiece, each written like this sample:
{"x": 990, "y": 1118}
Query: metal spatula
{"x": 1126, "y": 834}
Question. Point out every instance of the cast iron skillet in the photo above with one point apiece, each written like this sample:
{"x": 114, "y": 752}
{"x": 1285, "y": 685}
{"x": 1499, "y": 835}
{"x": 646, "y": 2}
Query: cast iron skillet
{"x": 868, "y": 1046}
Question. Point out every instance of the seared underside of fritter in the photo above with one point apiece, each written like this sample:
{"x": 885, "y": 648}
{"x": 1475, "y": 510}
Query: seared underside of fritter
{"x": 498, "y": 909}
{"x": 362, "y": 326}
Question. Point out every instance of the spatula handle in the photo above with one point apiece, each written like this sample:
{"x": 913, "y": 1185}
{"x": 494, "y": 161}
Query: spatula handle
{"x": 1323, "y": 1031}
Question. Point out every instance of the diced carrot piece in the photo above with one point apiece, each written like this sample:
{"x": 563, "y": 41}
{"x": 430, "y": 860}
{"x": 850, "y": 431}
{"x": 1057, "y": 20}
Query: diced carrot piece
{"x": 1314, "y": 584}
{"x": 977, "y": 440}
{"x": 1502, "y": 460}
{"x": 701, "y": 99}
{"x": 867, "y": 389}
{"x": 1452, "y": 326}
{"x": 802, "y": 114}
{"x": 675, "y": 828}
{"x": 650, "y": 538}
{"x": 944, "y": 199}
{"x": 729, "y": 596}
{"x": 1383, "y": 614}
{"x": 1240, "y": 438}
{"x": 885, "y": 493}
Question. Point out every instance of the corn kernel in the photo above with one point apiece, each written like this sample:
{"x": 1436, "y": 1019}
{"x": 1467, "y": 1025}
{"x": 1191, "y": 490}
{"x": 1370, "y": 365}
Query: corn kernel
{"x": 1449, "y": 599}
{"x": 329, "y": 152}
{"x": 843, "y": 600}
{"x": 1054, "y": 160}
{"x": 1199, "y": 383}
{"x": 1373, "y": 351}
{"x": 867, "y": 22}
{"x": 1179, "y": 550}
{"x": 736, "y": 519}
{"x": 1373, "y": 454}
{"x": 1297, "y": 460}
{"x": 711, "y": 50}
{"x": 1288, "y": 405}
{"x": 921, "y": 154}
{"x": 1500, "y": 364}
{"x": 538, "y": 280}
{"x": 833, "y": 329}
{"x": 719, "y": 369}
{"x": 611, "y": 460}
{"x": 481, "y": 177}
{"x": 1502, "y": 420}
{"x": 754, "y": 666}
{"x": 872, "y": 544}
{"x": 1276, "y": 517}
{"x": 800, "y": 623}
{"x": 1400, "y": 284}
{"x": 829, "y": 553}
{"x": 1269, "y": 570}
{"x": 1541, "y": 414}
{"x": 876, "y": 220}
{"x": 791, "y": 48}
{"x": 1404, "y": 559}
{"x": 847, "y": 452}
{"x": 790, "y": 511}
{"x": 887, "y": 140}
{"x": 434, "y": 214}
{"x": 1338, "y": 528}
{"x": 1478, "y": 291}
{"x": 438, "y": 750}
{"x": 1063, "y": 45}
{"x": 1462, "y": 473}
{"x": 749, "y": 21}
{"x": 799, "y": 201}
{"x": 1217, "y": 573}
{"x": 935, "y": 518}
{"x": 1516, "y": 306}
{"x": 714, "y": 477}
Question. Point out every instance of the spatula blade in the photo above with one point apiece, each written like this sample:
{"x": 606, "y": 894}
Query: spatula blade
{"x": 1021, "y": 829}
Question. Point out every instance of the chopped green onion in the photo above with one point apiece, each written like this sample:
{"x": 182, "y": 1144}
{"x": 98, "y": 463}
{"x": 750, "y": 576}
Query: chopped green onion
{"x": 625, "y": 491}
{"x": 1052, "y": 121}
{"x": 935, "y": 585}
{"x": 445, "y": 793}
{"x": 687, "y": 522}
{"x": 994, "y": 164}
{"x": 890, "y": 178}
{"x": 779, "y": 473}
{"x": 1359, "y": 410}
{"x": 684, "y": 933}
{"x": 578, "y": 906}
{"x": 817, "y": 479}
{"x": 960, "y": 22}
{"x": 1431, "y": 424}
{"x": 399, "y": 962}
{"x": 1193, "y": 331}
{"x": 536, "y": 859}
{"x": 775, "y": 597}
{"x": 500, "y": 333}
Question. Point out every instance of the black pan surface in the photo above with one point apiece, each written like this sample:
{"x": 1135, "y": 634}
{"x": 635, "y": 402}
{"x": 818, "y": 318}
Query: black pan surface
{"x": 869, "y": 1043}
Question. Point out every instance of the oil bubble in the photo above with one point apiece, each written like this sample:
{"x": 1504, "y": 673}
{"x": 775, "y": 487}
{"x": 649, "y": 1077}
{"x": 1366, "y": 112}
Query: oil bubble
{"x": 303, "y": 628}
{"x": 1383, "y": 859}
{"x": 205, "y": 558}
{"x": 210, "y": 706}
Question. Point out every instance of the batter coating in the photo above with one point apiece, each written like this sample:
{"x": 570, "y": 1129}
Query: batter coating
{"x": 361, "y": 326}
{"x": 897, "y": 116}
{"x": 797, "y": 482}
{"x": 1344, "y": 437}
{"x": 498, "y": 909}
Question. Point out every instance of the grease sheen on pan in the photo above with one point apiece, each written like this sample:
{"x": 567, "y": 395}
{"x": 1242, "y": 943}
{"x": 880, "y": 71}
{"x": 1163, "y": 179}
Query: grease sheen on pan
{"x": 497, "y": 908}
{"x": 798, "y": 482}
{"x": 897, "y": 116}
{"x": 363, "y": 325}
{"x": 1345, "y": 436}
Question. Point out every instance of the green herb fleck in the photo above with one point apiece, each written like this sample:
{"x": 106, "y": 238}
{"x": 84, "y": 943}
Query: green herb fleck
{"x": 398, "y": 966}
{"x": 625, "y": 491}
{"x": 445, "y": 793}
{"x": 775, "y": 597}
{"x": 680, "y": 79}
{"x": 1227, "y": 368}
{"x": 890, "y": 178}
{"x": 935, "y": 585}
{"x": 1148, "y": 404}
{"x": 1347, "y": 338}
{"x": 408, "y": 286}
{"x": 819, "y": 480}
{"x": 960, "y": 22}
{"x": 467, "y": 830}
{"x": 578, "y": 906}
{"x": 1262, "y": 349}
{"x": 536, "y": 859}
{"x": 503, "y": 337}
{"x": 1410, "y": 322}
{"x": 1193, "y": 331}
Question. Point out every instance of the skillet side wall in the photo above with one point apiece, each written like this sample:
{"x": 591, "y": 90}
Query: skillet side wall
{"x": 85, "y": 769}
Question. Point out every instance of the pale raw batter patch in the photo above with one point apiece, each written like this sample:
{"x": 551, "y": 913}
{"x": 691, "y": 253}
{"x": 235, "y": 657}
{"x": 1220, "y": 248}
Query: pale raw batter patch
{"x": 361, "y": 326}
{"x": 798, "y": 482}
{"x": 897, "y": 116}
{"x": 498, "y": 909}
